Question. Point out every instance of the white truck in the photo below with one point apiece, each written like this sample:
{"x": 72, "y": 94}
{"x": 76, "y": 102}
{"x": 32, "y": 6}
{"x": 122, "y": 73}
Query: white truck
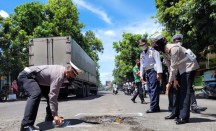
{"x": 59, "y": 51}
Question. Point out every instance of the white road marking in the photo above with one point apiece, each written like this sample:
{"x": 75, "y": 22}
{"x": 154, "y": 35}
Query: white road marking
{"x": 138, "y": 114}
{"x": 79, "y": 125}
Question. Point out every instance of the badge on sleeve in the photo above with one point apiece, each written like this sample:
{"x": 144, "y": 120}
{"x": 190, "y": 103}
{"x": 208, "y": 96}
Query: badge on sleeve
{"x": 150, "y": 53}
{"x": 142, "y": 55}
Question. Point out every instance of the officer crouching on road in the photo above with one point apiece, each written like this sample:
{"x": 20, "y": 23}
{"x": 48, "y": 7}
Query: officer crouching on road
{"x": 184, "y": 61}
{"x": 36, "y": 81}
{"x": 149, "y": 59}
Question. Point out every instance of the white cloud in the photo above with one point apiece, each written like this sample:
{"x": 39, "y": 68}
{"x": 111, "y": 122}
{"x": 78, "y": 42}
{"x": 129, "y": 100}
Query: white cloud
{"x": 95, "y": 10}
{"x": 110, "y": 33}
{"x": 105, "y": 74}
{"x": 4, "y": 14}
{"x": 114, "y": 34}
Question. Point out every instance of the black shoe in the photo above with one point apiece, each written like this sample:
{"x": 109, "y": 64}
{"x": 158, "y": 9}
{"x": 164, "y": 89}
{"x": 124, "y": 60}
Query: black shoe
{"x": 171, "y": 116}
{"x": 181, "y": 121}
{"x": 143, "y": 102}
{"x": 149, "y": 111}
{"x": 48, "y": 118}
{"x": 29, "y": 128}
{"x": 133, "y": 101}
{"x": 197, "y": 109}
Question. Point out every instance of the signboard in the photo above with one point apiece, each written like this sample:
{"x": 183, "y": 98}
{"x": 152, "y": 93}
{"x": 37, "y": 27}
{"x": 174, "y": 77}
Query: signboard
{"x": 108, "y": 83}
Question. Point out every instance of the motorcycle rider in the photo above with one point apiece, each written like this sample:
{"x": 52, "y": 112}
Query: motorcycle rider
{"x": 128, "y": 87}
{"x": 115, "y": 88}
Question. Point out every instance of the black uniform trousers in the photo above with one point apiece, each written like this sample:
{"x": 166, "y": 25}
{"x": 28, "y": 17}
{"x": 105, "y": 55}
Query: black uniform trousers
{"x": 34, "y": 92}
{"x": 174, "y": 96}
{"x": 139, "y": 91}
{"x": 153, "y": 89}
{"x": 182, "y": 96}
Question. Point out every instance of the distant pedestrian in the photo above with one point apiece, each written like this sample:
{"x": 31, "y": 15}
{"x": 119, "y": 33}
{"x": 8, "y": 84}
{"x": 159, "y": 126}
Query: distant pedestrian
{"x": 14, "y": 87}
{"x": 136, "y": 73}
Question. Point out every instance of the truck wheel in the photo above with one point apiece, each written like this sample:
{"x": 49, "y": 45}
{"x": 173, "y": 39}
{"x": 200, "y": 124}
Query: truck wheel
{"x": 87, "y": 90}
{"x": 95, "y": 92}
{"x": 63, "y": 95}
{"x": 83, "y": 95}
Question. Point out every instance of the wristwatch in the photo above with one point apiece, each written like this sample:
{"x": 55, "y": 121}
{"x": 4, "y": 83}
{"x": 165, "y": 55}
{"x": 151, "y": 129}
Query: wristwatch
{"x": 170, "y": 83}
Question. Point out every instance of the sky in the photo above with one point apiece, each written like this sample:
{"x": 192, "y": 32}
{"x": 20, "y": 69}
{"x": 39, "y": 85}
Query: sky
{"x": 108, "y": 19}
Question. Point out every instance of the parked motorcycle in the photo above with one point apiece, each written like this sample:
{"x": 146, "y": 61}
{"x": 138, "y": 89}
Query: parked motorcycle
{"x": 3, "y": 95}
{"x": 144, "y": 90}
{"x": 23, "y": 95}
{"x": 210, "y": 84}
{"x": 209, "y": 90}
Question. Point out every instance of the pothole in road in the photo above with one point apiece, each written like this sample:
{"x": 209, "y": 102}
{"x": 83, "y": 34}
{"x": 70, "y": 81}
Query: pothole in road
{"x": 115, "y": 120}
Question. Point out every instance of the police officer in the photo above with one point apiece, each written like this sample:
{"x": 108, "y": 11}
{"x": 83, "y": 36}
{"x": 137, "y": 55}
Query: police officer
{"x": 139, "y": 91}
{"x": 36, "y": 80}
{"x": 178, "y": 39}
{"x": 149, "y": 58}
{"x": 178, "y": 60}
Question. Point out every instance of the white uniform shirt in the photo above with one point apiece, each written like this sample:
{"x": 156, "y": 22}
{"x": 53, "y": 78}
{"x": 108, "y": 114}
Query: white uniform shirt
{"x": 148, "y": 59}
{"x": 128, "y": 84}
{"x": 115, "y": 85}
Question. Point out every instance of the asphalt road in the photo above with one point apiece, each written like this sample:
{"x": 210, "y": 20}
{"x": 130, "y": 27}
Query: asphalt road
{"x": 107, "y": 112}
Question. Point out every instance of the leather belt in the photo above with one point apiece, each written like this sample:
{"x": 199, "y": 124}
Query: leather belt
{"x": 147, "y": 68}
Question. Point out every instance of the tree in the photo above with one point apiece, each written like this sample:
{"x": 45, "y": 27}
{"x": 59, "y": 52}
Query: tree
{"x": 31, "y": 20}
{"x": 125, "y": 61}
{"x": 195, "y": 19}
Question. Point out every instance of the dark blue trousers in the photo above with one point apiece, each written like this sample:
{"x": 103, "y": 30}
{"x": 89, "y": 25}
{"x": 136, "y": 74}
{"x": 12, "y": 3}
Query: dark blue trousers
{"x": 187, "y": 79}
{"x": 153, "y": 89}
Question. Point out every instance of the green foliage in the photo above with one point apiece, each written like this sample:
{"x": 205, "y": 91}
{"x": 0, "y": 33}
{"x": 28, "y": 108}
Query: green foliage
{"x": 195, "y": 19}
{"x": 129, "y": 51}
{"x": 31, "y": 20}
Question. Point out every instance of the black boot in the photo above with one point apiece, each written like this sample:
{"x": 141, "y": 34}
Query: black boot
{"x": 143, "y": 102}
{"x": 197, "y": 109}
{"x": 171, "y": 116}
{"x": 181, "y": 121}
{"x": 29, "y": 128}
{"x": 133, "y": 101}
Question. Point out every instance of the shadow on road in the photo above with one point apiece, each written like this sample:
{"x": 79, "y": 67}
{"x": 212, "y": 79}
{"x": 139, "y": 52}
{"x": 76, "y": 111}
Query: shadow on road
{"x": 162, "y": 110}
{"x": 73, "y": 122}
{"x": 199, "y": 120}
{"x": 209, "y": 114}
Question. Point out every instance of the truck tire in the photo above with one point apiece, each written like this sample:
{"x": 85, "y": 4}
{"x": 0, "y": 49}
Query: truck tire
{"x": 95, "y": 92}
{"x": 63, "y": 95}
{"x": 87, "y": 90}
{"x": 83, "y": 95}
